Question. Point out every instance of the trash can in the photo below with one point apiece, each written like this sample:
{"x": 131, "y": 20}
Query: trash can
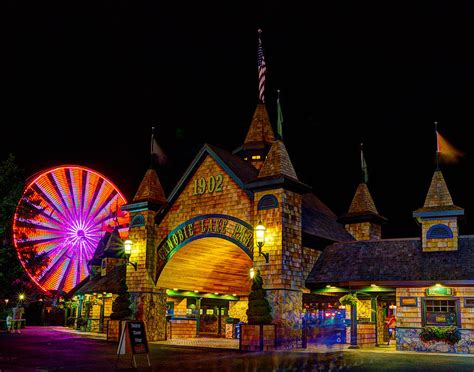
{"x": 340, "y": 336}
{"x": 237, "y": 329}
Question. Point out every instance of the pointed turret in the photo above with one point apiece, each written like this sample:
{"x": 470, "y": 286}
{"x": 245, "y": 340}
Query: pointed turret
{"x": 439, "y": 217}
{"x": 259, "y": 138}
{"x": 278, "y": 163}
{"x": 363, "y": 221}
{"x": 150, "y": 189}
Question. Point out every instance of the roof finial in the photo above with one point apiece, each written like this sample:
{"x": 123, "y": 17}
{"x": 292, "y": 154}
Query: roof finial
{"x": 279, "y": 117}
{"x": 151, "y": 146}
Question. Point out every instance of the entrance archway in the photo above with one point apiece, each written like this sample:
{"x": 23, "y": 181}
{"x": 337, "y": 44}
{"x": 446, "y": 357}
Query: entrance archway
{"x": 207, "y": 282}
{"x": 208, "y": 265}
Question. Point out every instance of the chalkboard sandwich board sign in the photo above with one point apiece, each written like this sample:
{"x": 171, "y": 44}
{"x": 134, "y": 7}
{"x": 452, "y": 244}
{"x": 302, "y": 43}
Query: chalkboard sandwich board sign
{"x": 138, "y": 341}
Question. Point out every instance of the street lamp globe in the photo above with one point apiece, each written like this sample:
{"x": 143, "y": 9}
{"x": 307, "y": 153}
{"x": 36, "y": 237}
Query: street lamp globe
{"x": 127, "y": 244}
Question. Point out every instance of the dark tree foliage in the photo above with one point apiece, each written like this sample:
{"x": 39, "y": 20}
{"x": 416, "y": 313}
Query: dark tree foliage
{"x": 121, "y": 305}
{"x": 259, "y": 310}
{"x": 13, "y": 278}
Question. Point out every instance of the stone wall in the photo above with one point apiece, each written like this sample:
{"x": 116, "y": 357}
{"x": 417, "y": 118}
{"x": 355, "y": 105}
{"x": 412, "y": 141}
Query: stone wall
{"x": 151, "y": 308}
{"x": 430, "y": 245}
{"x": 408, "y": 339}
{"x": 287, "y": 312}
{"x": 238, "y": 309}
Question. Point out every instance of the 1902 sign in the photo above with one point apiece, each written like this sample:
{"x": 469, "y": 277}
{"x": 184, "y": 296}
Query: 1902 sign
{"x": 205, "y": 226}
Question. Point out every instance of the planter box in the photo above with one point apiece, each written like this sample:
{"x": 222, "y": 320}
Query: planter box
{"x": 113, "y": 330}
{"x": 257, "y": 337}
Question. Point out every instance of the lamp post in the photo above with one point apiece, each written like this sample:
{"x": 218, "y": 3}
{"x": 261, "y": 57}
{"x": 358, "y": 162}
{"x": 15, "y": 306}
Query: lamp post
{"x": 260, "y": 238}
{"x": 127, "y": 245}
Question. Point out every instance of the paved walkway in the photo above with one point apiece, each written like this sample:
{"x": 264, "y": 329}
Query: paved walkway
{"x": 56, "y": 349}
{"x": 217, "y": 343}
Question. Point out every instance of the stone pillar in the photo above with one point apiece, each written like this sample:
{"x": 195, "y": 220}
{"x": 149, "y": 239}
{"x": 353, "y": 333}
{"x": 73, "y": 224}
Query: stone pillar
{"x": 151, "y": 308}
{"x": 283, "y": 275}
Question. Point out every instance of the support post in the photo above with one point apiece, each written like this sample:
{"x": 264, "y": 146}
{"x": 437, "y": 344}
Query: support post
{"x": 354, "y": 327}
{"x": 198, "y": 315}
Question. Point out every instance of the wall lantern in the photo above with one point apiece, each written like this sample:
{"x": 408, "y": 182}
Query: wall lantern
{"x": 252, "y": 273}
{"x": 260, "y": 238}
{"x": 127, "y": 244}
{"x": 6, "y": 301}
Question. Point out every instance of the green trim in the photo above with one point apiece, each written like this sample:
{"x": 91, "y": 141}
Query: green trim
{"x": 461, "y": 329}
{"x": 173, "y": 293}
{"x": 375, "y": 289}
{"x": 331, "y": 290}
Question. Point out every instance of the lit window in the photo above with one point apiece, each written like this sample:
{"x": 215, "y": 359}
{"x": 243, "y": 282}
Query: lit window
{"x": 441, "y": 312}
{"x": 256, "y": 157}
{"x": 246, "y": 158}
{"x": 210, "y": 311}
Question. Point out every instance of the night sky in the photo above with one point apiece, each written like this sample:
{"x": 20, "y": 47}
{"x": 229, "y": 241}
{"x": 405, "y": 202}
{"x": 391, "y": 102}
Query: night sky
{"x": 84, "y": 85}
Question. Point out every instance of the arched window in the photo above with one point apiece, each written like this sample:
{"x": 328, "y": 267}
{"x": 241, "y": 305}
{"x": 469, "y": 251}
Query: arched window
{"x": 267, "y": 202}
{"x": 439, "y": 232}
{"x": 138, "y": 220}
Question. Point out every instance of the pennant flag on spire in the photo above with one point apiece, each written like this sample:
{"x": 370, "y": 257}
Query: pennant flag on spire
{"x": 446, "y": 153}
{"x": 262, "y": 68}
{"x": 156, "y": 151}
{"x": 279, "y": 118}
{"x": 363, "y": 164}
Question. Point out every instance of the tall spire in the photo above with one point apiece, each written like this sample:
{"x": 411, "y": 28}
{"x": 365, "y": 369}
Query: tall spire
{"x": 260, "y": 130}
{"x": 150, "y": 189}
{"x": 278, "y": 163}
{"x": 438, "y": 193}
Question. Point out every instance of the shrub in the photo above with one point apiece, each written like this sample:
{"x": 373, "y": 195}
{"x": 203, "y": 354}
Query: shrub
{"x": 259, "y": 310}
{"x": 121, "y": 306}
{"x": 70, "y": 321}
{"x": 81, "y": 322}
{"x": 451, "y": 335}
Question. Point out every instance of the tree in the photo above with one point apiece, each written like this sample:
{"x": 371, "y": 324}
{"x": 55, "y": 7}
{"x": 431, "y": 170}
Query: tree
{"x": 259, "y": 310}
{"x": 13, "y": 278}
{"x": 121, "y": 305}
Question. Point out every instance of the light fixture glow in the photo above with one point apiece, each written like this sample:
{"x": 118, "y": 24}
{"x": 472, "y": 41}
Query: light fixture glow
{"x": 196, "y": 291}
{"x": 127, "y": 244}
{"x": 252, "y": 273}
{"x": 438, "y": 285}
{"x": 373, "y": 285}
{"x": 175, "y": 289}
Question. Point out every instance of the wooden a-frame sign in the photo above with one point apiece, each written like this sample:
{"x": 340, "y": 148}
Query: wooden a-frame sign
{"x": 133, "y": 340}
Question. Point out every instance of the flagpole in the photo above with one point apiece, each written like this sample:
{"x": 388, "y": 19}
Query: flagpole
{"x": 437, "y": 145}
{"x": 151, "y": 147}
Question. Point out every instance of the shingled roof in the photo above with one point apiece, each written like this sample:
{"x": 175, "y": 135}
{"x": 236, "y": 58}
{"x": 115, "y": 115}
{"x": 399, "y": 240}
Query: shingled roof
{"x": 150, "y": 189}
{"x": 242, "y": 169}
{"x": 109, "y": 283}
{"x": 278, "y": 163}
{"x": 392, "y": 260}
{"x": 318, "y": 220}
{"x": 260, "y": 131}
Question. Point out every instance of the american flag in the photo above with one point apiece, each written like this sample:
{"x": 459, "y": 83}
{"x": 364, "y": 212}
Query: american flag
{"x": 262, "y": 68}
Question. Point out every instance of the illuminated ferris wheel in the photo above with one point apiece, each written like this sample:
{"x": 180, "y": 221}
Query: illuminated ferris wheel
{"x": 61, "y": 217}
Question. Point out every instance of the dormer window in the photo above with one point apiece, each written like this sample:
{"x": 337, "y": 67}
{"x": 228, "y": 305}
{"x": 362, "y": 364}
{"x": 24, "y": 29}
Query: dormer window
{"x": 256, "y": 157}
{"x": 439, "y": 231}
